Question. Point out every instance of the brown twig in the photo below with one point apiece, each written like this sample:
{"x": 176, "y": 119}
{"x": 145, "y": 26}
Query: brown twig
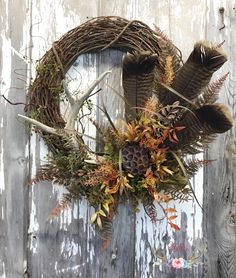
{"x": 121, "y": 33}
{"x": 58, "y": 60}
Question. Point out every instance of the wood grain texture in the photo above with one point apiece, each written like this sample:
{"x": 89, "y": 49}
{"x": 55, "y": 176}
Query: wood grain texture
{"x": 219, "y": 178}
{"x": 13, "y": 140}
{"x": 183, "y": 28}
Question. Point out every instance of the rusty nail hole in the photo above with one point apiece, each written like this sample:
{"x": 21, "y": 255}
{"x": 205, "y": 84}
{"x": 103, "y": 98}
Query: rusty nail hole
{"x": 221, "y": 10}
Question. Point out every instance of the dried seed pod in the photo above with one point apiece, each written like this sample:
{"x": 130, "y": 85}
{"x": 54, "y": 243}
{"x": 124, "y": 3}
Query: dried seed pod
{"x": 136, "y": 159}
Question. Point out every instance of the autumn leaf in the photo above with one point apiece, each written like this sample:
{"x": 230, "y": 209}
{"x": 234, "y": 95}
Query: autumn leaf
{"x": 167, "y": 170}
{"x": 99, "y": 222}
{"x": 170, "y": 210}
{"x": 172, "y": 217}
{"x": 93, "y": 217}
{"x": 179, "y": 128}
{"x": 106, "y": 206}
{"x": 174, "y": 226}
{"x": 101, "y": 212}
{"x": 165, "y": 198}
{"x": 175, "y": 136}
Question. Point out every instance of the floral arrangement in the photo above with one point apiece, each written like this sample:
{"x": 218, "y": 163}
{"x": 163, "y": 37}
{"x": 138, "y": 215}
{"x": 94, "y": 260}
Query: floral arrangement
{"x": 170, "y": 111}
{"x": 174, "y": 262}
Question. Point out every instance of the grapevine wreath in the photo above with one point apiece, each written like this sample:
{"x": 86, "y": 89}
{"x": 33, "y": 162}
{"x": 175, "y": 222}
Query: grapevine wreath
{"x": 170, "y": 112}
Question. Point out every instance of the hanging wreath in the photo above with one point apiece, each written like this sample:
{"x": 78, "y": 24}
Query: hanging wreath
{"x": 170, "y": 112}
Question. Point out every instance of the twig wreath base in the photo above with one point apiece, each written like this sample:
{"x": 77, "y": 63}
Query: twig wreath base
{"x": 145, "y": 158}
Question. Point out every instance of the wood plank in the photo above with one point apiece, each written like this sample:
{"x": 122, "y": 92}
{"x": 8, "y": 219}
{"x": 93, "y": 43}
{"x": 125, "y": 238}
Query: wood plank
{"x": 219, "y": 178}
{"x": 184, "y": 23}
{"x": 13, "y": 143}
{"x": 118, "y": 259}
{"x": 69, "y": 243}
{"x": 62, "y": 247}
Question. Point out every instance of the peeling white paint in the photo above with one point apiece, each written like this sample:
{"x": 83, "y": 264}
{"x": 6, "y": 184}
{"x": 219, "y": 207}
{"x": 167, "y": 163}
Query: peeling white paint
{"x": 33, "y": 226}
{"x": 74, "y": 269}
{"x": 3, "y": 213}
{"x": 32, "y": 151}
{"x": 3, "y": 270}
{"x": 69, "y": 248}
{"x": 2, "y": 181}
{"x": 6, "y": 61}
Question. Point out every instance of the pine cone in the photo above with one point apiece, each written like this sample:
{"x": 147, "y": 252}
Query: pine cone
{"x": 136, "y": 159}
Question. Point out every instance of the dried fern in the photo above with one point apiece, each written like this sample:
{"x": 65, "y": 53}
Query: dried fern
{"x": 193, "y": 165}
{"x": 150, "y": 208}
{"x": 211, "y": 93}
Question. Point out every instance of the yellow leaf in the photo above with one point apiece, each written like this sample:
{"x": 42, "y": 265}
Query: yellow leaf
{"x": 101, "y": 212}
{"x": 93, "y": 217}
{"x": 112, "y": 190}
{"x": 106, "y": 206}
{"x": 99, "y": 222}
{"x": 167, "y": 170}
{"x": 103, "y": 185}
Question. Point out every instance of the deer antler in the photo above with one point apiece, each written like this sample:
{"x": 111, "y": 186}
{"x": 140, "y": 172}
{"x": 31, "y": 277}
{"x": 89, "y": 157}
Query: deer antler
{"x": 76, "y": 104}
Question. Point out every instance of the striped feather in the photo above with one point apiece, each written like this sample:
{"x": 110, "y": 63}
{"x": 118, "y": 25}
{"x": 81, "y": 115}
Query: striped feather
{"x": 216, "y": 118}
{"x": 201, "y": 126}
{"x": 196, "y": 73}
{"x": 138, "y": 77}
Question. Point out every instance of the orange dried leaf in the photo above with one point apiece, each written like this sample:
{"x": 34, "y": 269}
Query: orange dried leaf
{"x": 172, "y": 217}
{"x": 178, "y": 128}
{"x": 174, "y": 226}
{"x": 58, "y": 209}
{"x": 170, "y": 210}
{"x": 175, "y": 136}
{"x": 165, "y": 198}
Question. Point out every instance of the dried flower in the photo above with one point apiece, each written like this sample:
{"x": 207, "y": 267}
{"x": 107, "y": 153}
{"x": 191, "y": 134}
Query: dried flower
{"x": 178, "y": 263}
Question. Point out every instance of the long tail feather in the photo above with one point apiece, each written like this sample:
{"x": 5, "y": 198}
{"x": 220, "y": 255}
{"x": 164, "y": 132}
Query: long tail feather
{"x": 196, "y": 72}
{"x": 138, "y": 76}
{"x": 201, "y": 126}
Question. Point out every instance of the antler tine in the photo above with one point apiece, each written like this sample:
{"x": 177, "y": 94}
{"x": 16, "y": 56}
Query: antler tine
{"x": 39, "y": 125}
{"x": 77, "y": 102}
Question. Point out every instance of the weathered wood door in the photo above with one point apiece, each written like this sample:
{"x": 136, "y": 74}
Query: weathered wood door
{"x": 31, "y": 246}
